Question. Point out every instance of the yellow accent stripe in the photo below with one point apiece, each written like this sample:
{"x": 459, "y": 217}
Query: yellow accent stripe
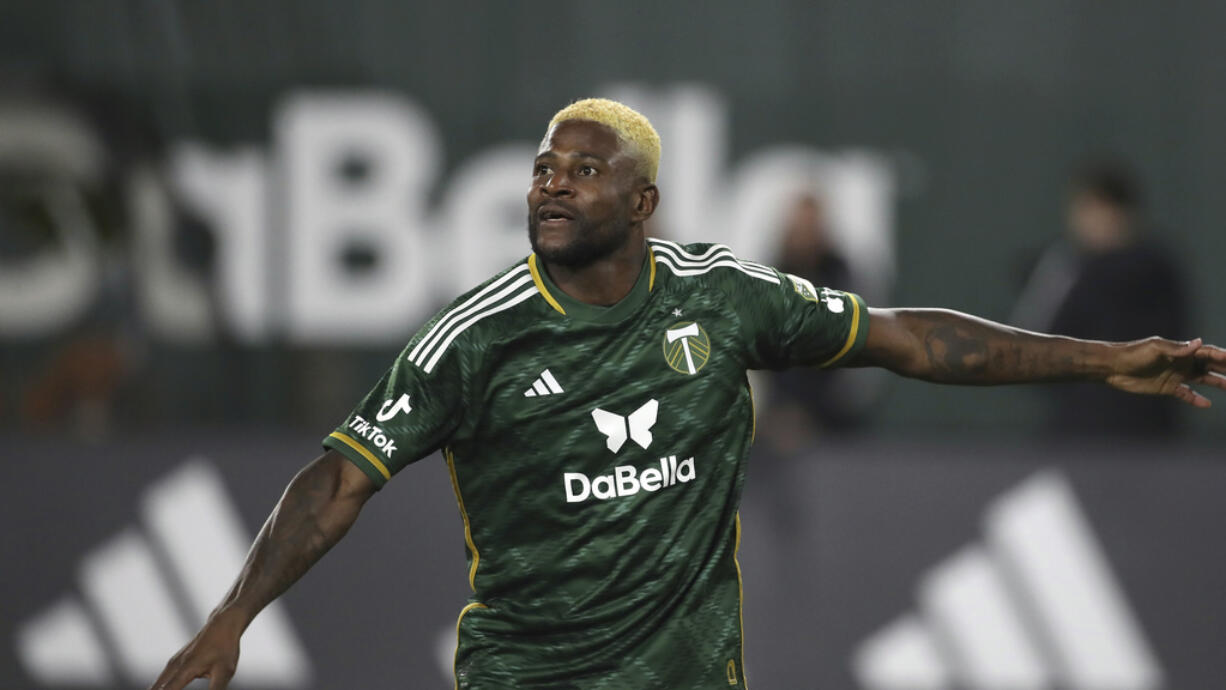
{"x": 540, "y": 284}
{"x": 456, "y": 656}
{"x": 851, "y": 337}
{"x": 651, "y": 259}
{"x": 753, "y": 433}
{"x": 468, "y": 532}
{"x": 675, "y": 360}
{"x": 370, "y": 457}
{"x": 740, "y": 586}
{"x": 753, "y": 413}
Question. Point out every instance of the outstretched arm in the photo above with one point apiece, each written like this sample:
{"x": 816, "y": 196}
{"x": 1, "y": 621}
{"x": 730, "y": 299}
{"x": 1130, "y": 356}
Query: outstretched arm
{"x": 316, "y": 510}
{"x": 949, "y": 347}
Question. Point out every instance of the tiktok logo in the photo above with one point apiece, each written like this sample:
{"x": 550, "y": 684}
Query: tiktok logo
{"x": 389, "y": 410}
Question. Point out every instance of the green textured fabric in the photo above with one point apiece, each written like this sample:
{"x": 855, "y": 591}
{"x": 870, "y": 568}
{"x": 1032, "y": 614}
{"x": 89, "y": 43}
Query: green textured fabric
{"x": 600, "y": 498}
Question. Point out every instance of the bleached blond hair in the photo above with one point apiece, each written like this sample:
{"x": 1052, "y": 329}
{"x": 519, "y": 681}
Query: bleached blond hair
{"x": 629, "y": 124}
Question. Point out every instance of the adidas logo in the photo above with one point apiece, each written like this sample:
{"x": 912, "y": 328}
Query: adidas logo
{"x": 145, "y": 595}
{"x": 545, "y": 384}
{"x": 636, "y": 426}
{"x": 1034, "y": 607}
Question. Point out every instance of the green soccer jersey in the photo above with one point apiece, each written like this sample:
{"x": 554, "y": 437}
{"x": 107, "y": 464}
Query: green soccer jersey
{"x": 597, "y": 456}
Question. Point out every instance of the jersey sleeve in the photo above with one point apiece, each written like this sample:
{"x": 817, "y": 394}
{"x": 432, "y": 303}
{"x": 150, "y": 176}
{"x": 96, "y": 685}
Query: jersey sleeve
{"x": 411, "y": 412}
{"x": 793, "y": 323}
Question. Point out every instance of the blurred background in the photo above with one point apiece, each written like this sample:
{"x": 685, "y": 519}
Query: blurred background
{"x": 219, "y": 222}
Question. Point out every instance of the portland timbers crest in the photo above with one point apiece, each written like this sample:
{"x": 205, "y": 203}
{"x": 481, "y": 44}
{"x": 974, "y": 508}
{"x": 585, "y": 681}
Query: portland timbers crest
{"x": 686, "y": 347}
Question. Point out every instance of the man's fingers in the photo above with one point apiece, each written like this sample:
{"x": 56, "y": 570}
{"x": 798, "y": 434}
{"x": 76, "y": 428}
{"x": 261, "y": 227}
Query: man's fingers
{"x": 1213, "y": 357}
{"x": 219, "y": 678}
{"x": 176, "y": 681}
{"x": 1211, "y": 351}
{"x": 183, "y": 678}
{"x": 1212, "y": 379}
{"x": 1186, "y": 394}
{"x": 171, "y": 678}
{"x": 160, "y": 683}
{"x": 1187, "y": 349}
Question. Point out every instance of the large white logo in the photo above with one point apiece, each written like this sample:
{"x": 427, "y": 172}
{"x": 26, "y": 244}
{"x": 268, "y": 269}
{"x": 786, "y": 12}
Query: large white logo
{"x": 395, "y": 146}
{"x": 637, "y": 425}
{"x": 130, "y": 602}
{"x": 1036, "y": 608}
{"x": 627, "y": 481}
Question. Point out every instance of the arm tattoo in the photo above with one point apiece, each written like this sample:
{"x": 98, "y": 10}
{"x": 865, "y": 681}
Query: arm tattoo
{"x": 963, "y": 349}
{"x": 307, "y": 522}
{"x": 954, "y": 352}
{"x": 294, "y": 539}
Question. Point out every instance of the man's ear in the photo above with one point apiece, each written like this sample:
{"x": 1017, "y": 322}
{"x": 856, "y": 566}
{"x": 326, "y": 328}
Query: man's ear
{"x": 646, "y": 198}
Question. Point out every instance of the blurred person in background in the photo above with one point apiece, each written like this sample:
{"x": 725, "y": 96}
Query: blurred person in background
{"x": 808, "y": 249}
{"x": 104, "y": 260}
{"x": 1108, "y": 279}
{"x": 803, "y": 403}
{"x": 64, "y": 288}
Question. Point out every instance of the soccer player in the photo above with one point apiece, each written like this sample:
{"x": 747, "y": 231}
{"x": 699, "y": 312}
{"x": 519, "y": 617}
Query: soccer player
{"x": 592, "y": 406}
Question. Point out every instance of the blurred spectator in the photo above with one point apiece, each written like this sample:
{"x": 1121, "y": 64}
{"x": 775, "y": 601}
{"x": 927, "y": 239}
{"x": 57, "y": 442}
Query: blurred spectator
{"x": 1106, "y": 281}
{"x": 804, "y": 402}
{"x": 807, "y": 250}
{"x": 76, "y": 389}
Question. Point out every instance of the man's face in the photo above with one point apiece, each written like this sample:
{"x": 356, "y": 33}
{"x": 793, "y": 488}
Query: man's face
{"x": 1096, "y": 224}
{"x": 581, "y": 201}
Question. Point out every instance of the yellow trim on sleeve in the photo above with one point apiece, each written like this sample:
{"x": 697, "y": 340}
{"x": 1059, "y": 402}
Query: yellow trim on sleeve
{"x": 370, "y": 457}
{"x": 740, "y": 587}
{"x": 851, "y": 336}
{"x": 456, "y": 656}
{"x": 468, "y": 531}
{"x": 753, "y": 413}
{"x": 540, "y": 284}
{"x": 651, "y": 259}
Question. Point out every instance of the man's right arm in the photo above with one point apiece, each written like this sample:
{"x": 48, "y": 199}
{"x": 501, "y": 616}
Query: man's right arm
{"x": 946, "y": 346}
{"x": 318, "y": 507}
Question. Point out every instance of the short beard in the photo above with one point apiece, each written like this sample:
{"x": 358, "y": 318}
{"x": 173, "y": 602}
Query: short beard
{"x": 590, "y": 244}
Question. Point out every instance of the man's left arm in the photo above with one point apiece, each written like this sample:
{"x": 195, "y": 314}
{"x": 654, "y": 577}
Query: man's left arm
{"x": 946, "y": 346}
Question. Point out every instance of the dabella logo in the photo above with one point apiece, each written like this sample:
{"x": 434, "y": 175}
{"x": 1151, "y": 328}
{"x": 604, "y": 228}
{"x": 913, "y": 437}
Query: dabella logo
{"x": 626, "y": 480}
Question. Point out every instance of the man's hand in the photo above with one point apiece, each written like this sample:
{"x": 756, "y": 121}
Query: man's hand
{"x": 213, "y": 654}
{"x": 1156, "y": 366}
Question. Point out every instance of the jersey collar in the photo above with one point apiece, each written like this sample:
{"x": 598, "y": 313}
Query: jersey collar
{"x": 569, "y": 306}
